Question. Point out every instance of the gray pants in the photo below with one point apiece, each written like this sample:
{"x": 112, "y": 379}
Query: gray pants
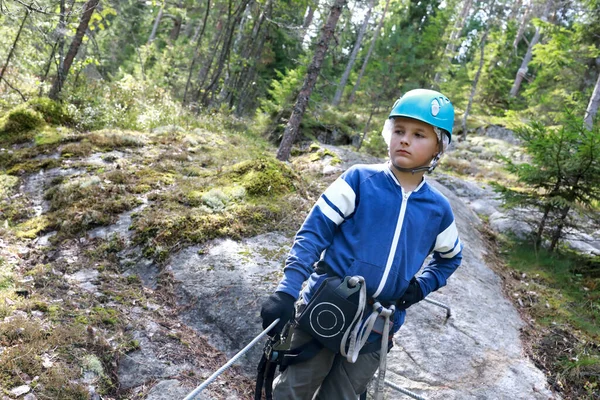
{"x": 326, "y": 376}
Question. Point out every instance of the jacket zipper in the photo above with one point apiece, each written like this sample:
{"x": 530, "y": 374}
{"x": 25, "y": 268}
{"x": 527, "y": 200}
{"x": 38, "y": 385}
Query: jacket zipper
{"x": 392, "y": 253}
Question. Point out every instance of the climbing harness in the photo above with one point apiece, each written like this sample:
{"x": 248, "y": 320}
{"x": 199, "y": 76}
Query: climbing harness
{"x": 334, "y": 317}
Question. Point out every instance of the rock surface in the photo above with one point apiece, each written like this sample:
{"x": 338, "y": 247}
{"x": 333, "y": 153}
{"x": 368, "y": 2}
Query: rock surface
{"x": 476, "y": 354}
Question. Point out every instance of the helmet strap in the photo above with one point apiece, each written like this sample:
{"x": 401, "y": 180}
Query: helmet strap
{"x": 425, "y": 168}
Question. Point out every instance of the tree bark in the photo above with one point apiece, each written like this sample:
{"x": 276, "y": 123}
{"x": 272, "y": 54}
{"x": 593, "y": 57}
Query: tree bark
{"x": 156, "y": 23}
{"x": 225, "y": 50}
{"x": 246, "y": 76}
{"x": 522, "y": 25}
{"x": 366, "y": 61}
{"x": 293, "y": 125}
{"x": 310, "y": 13}
{"x": 198, "y": 37}
{"x": 88, "y": 10}
{"x": 474, "y": 86}
{"x": 529, "y": 55}
{"x": 592, "y": 108}
{"x": 207, "y": 64}
{"x": 14, "y": 45}
{"x": 454, "y": 35}
{"x": 340, "y": 89}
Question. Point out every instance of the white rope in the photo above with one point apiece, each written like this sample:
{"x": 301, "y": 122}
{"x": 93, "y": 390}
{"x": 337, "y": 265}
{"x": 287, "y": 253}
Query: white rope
{"x": 354, "y": 327}
{"x": 386, "y": 313}
{"x": 230, "y": 362}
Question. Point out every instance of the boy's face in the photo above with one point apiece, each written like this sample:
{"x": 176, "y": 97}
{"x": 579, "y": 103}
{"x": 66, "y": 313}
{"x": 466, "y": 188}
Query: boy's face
{"x": 413, "y": 143}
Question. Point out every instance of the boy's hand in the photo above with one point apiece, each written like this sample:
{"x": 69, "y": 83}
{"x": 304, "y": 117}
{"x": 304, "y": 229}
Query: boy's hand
{"x": 413, "y": 295}
{"x": 278, "y": 305}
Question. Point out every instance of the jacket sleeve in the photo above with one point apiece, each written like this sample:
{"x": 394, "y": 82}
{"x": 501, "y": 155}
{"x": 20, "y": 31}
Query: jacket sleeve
{"x": 447, "y": 256}
{"x": 316, "y": 234}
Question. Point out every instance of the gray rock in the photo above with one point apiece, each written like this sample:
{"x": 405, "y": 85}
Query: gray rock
{"x": 498, "y": 132}
{"x": 140, "y": 366}
{"x": 20, "y": 390}
{"x": 227, "y": 283}
{"x": 169, "y": 390}
{"x": 510, "y": 223}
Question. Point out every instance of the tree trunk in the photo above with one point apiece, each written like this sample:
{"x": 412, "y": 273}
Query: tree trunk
{"x": 14, "y": 45}
{"x": 522, "y": 25}
{"x": 529, "y": 55}
{"x": 198, "y": 37}
{"x": 225, "y": 50}
{"x": 246, "y": 76}
{"x": 293, "y": 125}
{"x": 226, "y": 95}
{"x": 366, "y": 61}
{"x": 156, "y": 23}
{"x": 177, "y": 22}
{"x": 556, "y": 235}
{"x": 206, "y": 66}
{"x": 88, "y": 10}
{"x": 474, "y": 86}
{"x": 310, "y": 13}
{"x": 592, "y": 108}
{"x": 340, "y": 89}
{"x": 542, "y": 225}
{"x": 454, "y": 35}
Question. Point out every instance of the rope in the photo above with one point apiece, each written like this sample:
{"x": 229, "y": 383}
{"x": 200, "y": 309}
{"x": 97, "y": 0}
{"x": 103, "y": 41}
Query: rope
{"x": 353, "y": 329}
{"x": 230, "y": 362}
{"x": 386, "y": 312}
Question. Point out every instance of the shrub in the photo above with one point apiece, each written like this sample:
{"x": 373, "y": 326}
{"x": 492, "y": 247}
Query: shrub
{"x": 53, "y": 113}
{"x": 19, "y": 123}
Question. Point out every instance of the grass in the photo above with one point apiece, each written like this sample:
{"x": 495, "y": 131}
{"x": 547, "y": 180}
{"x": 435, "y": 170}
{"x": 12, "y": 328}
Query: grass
{"x": 560, "y": 293}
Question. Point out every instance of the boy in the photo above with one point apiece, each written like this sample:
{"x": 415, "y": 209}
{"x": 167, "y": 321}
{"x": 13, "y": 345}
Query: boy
{"x": 379, "y": 222}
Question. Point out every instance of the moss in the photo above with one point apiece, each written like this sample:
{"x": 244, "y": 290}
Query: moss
{"x": 49, "y": 135}
{"x": 32, "y": 227}
{"x": 19, "y": 123}
{"x": 107, "y": 316}
{"x": 7, "y": 185}
{"x": 107, "y": 140}
{"x": 32, "y": 166}
{"x": 263, "y": 176}
{"x": 81, "y": 149}
{"x": 53, "y": 112}
{"x": 6, "y": 275}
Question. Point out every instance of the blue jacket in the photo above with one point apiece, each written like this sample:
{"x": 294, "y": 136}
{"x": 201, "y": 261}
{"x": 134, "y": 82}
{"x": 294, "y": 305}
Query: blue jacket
{"x": 365, "y": 224}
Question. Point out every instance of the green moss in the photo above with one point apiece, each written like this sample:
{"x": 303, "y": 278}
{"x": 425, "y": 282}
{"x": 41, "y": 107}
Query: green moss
{"x": 263, "y": 176}
{"x": 6, "y": 275}
{"x": 107, "y": 316}
{"x": 49, "y": 136}
{"x": 107, "y": 140}
{"x": 7, "y": 185}
{"x": 32, "y": 166}
{"x": 81, "y": 149}
{"x": 32, "y": 227}
{"x": 21, "y": 119}
{"x": 53, "y": 112}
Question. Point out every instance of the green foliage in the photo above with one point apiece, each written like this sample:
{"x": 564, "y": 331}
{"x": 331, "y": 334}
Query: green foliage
{"x": 557, "y": 293}
{"x": 19, "y": 124}
{"x": 563, "y": 172}
{"x": 54, "y": 113}
{"x": 560, "y": 63}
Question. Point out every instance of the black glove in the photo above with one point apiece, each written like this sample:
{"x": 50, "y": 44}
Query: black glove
{"x": 278, "y": 305}
{"x": 413, "y": 295}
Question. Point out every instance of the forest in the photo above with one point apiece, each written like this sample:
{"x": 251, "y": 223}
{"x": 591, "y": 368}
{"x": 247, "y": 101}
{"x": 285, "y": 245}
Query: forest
{"x": 283, "y": 77}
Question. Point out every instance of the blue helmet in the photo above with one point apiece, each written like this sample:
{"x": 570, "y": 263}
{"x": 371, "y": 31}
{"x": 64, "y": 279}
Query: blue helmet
{"x": 428, "y": 106}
